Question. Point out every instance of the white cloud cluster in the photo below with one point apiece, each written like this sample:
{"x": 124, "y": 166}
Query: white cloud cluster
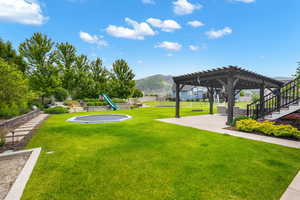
{"x": 195, "y": 23}
{"x": 245, "y": 1}
{"x": 164, "y": 25}
{"x": 22, "y": 11}
{"x": 139, "y": 31}
{"x": 184, "y": 7}
{"x": 148, "y": 1}
{"x": 214, "y": 34}
{"x": 92, "y": 39}
{"x": 173, "y": 46}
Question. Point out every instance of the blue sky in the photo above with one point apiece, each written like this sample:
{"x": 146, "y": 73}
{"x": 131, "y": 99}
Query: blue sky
{"x": 166, "y": 36}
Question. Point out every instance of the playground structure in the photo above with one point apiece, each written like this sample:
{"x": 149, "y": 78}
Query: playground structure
{"x": 110, "y": 102}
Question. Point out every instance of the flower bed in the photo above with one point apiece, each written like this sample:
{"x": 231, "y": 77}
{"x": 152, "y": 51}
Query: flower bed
{"x": 267, "y": 128}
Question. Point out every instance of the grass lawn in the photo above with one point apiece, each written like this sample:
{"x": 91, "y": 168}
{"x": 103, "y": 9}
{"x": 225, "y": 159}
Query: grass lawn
{"x": 144, "y": 159}
{"x": 189, "y": 104}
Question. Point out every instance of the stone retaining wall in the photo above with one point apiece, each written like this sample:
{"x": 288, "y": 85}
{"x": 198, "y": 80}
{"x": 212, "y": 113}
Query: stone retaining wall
{"x": 14, "y": 122}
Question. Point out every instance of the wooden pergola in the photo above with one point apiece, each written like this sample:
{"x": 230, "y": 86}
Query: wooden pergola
{"x": 232, "y": 79}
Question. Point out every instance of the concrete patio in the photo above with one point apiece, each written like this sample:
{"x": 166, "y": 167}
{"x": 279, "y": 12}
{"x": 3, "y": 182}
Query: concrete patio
{"x": 217, "y": 123}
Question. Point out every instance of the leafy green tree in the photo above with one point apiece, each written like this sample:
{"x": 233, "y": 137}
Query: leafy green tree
{"x": 122, "y": 81}
{"x": 65, "y": 58}
{"x": 84, "y": 83}
{"x": 37, "y": 51}
{"x": 100, "y": 76}
{"x": 10, "y": 55}
{"x": 45, "y": 80}
{"x": 14, "y": 91}
{"x": 298, "y": 70}
{"x": 137, "y": 93}
{"x": 39, "y": 55}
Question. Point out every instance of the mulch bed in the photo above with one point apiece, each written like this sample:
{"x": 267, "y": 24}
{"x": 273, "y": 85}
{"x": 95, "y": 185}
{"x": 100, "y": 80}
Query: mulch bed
{"x": 257, "y": 133}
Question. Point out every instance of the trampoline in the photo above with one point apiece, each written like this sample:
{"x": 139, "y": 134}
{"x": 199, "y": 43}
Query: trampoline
{"x": 92, "y": 119}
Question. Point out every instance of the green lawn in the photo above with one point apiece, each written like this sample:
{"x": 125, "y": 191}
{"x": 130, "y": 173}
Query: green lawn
{"x": 144, "y": 159}
{"x": 186, "y": 104}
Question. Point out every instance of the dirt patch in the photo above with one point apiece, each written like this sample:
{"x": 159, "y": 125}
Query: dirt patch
{"x": 10, "y": 168}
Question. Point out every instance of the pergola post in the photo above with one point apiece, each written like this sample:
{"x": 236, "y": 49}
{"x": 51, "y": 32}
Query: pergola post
{"x": 177, "y": 99}
{"x": 262, "y": 99}
{"x": 210, "y": 92}
{"x": 230, "y": 92}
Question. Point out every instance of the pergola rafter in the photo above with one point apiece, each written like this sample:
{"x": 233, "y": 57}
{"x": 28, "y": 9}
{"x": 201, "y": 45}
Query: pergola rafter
{"x": 231, "y": 78}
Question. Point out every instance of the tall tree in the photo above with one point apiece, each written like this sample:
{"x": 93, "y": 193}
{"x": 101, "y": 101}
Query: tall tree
{"x": 37, "y": 50}
{"x": 10, "y": 55}
{"x": 100, "y": 76}
{"x": 14, "y": 92}
{"x": 38, "y": 53}
{"x": 298, "y": 70}
{"x": 122, "y": 79}
{"x": 65, "y": 58}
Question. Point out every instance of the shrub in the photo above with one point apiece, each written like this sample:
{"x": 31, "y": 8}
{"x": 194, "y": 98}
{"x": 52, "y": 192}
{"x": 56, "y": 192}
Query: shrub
{"x": 238, "y": 118}
{"x": 36, "y": 103}
{"x": 267, "y": 128}
{"x": 99, "y": 103}
{"x": 2, "y": 137}
{"x": 57, "y": 110}
{"x": 116, "y": 100}
{"x": 61, "y": 94}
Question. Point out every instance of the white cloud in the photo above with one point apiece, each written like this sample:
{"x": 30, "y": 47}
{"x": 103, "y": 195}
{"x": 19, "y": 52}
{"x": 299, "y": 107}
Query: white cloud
{"x": 166, "y": 25}
{"x": 219, "y": 33}
{"x": 195, "y": 23}
{"x": 183, "y": 7}
{"x": 140, "y": 62}
{"x": 245, "y": 1}
{"x": 170, "y": 54}
{"x": 139, "y": 31}
{"x": 194, "y": 47}
{"x": 22, "y": 11}
{"x": 148, "y": 1}
{"x": 92, "y": 39}
{"x": 173, "y": 46}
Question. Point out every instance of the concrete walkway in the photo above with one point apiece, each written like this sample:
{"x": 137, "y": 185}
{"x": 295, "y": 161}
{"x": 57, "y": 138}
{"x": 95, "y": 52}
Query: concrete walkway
{"x": 217, "y": 123}
{"x": 25, "y": 129}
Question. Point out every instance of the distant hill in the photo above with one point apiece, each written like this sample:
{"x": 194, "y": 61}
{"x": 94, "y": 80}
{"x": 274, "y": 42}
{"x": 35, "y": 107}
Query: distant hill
{"x": 157, "y": 84}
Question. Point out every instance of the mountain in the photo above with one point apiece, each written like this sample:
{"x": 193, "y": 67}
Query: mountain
{"x": 157, "y": 84}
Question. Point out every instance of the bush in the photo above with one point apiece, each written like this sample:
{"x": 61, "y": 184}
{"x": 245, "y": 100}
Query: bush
{"x": 36, "y": 103}
{"x": 2, "y": 137}
{"x": 57, "y": 110}
{"x": 116, "y": 100}
{"x": 238, "y": 118}
{"x": 61, "y": 94}
{"x": 99, "y": 103}
{"x": 267, "y": 128}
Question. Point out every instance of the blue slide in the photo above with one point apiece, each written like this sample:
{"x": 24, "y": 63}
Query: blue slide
{"x": 110, "y": 102}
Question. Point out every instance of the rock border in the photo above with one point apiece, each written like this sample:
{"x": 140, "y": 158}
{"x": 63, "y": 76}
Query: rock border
{"x": 17, "y": 189}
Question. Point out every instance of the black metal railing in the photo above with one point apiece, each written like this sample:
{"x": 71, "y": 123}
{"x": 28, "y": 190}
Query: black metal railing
{"x": 287, "y": 95}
